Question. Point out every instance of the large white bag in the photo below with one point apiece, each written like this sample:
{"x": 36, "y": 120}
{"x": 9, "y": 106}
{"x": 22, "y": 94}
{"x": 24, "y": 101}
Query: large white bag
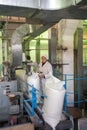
{"x": 53, "y": 104}
{"x": 35, "y": 81}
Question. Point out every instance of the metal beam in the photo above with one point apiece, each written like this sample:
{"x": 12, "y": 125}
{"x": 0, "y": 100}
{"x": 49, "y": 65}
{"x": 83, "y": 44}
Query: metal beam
{"x": 39, "y": 31}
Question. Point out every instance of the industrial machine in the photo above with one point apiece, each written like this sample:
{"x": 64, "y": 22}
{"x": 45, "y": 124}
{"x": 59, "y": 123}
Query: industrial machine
{"x": 11, "y": 100}
{"x": 20, "y": 93}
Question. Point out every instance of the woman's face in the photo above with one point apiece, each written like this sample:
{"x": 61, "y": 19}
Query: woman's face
{"x": 44, "y": 59}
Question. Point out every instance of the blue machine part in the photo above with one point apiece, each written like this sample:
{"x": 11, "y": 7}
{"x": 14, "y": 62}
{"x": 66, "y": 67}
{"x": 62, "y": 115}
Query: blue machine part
{"x": 31, "y": 109}
{"x": 33, "y": 100}
{"x": 80, "y": 97}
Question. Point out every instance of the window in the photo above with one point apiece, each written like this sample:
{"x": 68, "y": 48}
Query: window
{"x": 38, "y": 47}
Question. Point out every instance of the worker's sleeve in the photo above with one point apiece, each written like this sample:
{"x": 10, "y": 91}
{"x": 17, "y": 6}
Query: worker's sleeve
{"x": 40, "y": 68}
{"x": 49, "y": 71}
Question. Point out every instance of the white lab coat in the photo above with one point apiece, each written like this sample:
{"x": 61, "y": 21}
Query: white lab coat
{"x": 46, "y": 69}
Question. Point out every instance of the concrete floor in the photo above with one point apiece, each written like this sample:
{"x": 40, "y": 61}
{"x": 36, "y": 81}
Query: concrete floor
{"x": 76, "y": 114}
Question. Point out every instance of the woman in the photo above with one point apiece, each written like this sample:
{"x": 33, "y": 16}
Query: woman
{"x": 45, "y": 71}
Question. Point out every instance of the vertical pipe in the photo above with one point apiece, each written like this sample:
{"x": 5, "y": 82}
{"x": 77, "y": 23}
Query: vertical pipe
{"x": 78, "y": 89}
{"x": 65, "y": 99}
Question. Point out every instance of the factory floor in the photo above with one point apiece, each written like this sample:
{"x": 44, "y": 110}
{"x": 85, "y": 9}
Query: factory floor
{"x": 27, "y": 126}
{"x": 31, "y": 127}
{"x": 77, "y": 114}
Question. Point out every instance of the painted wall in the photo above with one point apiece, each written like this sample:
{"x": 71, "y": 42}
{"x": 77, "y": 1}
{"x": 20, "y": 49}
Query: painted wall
{"x": 68, "y": 28}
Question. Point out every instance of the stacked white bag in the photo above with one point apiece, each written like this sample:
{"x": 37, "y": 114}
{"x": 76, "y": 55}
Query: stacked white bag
{"x": 53, "y": 104}
{"x": 35, "y": 81}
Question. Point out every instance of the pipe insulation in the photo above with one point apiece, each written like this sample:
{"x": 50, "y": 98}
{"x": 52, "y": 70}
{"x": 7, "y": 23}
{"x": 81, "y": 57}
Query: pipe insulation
{"x": 16, "y": 42}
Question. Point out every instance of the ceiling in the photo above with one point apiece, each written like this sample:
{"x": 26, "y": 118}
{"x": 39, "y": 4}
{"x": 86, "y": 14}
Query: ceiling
{"x": 44, "y": 17}
{"x": 34, "y": 15}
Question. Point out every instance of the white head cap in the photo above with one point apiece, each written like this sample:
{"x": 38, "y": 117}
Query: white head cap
{"x": 44, "y": 55}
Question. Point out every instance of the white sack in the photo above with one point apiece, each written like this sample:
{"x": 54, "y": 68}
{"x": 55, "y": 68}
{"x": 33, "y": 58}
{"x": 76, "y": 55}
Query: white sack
{"x": 35, "y": 81}
{"x": 53, "y": 104}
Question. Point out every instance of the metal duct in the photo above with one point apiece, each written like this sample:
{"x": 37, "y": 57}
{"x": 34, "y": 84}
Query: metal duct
{"x": 16, "y": 42}
{"x": 56, "y": 4}
{"x": 41, "y": 4}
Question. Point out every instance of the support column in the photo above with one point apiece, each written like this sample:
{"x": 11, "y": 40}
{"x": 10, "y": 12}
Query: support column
{"x": 68, "y": 56}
